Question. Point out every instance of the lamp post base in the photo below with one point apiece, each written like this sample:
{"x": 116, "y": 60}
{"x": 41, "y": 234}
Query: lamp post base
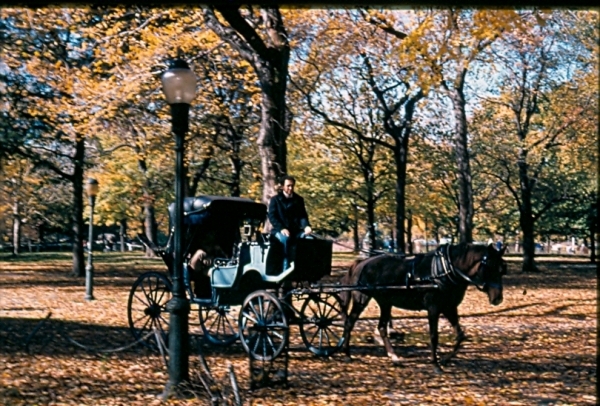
{"x": 179, "y": 347}
{"x": 89, "y": 287}
{"x": 176, "y": 391}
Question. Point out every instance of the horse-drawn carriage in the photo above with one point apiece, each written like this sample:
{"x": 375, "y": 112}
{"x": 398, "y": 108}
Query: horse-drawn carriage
{"x": 244, "y": 268}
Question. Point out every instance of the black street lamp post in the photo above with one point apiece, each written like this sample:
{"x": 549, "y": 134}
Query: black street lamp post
{"x": 92, "y": 192}
{"x": 179, "y": 86}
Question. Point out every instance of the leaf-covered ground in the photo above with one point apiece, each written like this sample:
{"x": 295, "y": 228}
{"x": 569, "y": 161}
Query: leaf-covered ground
{"x": 537, "y": 348}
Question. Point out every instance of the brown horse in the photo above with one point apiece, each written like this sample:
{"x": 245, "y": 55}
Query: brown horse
{"x": 436, "y": 282}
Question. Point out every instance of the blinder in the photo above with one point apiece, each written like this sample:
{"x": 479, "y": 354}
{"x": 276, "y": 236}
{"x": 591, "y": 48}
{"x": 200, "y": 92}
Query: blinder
{"x": 482, "y": 286}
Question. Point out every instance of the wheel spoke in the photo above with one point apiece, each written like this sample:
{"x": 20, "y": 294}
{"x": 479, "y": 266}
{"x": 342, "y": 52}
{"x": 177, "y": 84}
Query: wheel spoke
{"x": 321, "y": 306}
{"x": 255, "y": 312}
{"x": 140, "y": 318}
{"x": 271, "y": 343}
{"x": 314, "y": 336}
{"x": 334, "y": 334}
{"x": 314, "y": 313}
{"x": 161, "y": 296}
{"x": 260, "y": 308}
{"x": 231, "y": 327}
{"x": 165, "y": 321}
{"x": 310, "y": 326}
{"x": 145, "y": 325}
{"x": 214, "y": 320}
{"x": 145, "y": 303}
{"x": 256, "y": 342}
{"x": 249, "y": 317}
{"x": 331, "y": 308}
{"x": 150, "y": 291}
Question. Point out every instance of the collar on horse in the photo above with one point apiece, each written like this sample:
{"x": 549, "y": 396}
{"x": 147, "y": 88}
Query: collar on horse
{"x": 442, "y": 267}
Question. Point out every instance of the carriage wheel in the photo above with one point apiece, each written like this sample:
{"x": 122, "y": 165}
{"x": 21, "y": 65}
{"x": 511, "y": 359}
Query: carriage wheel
{"x": 147, "y": 307}
{"x": 322, "y": 327}
{"x": 219, "y": 324}
{"x": 263, "y": 328}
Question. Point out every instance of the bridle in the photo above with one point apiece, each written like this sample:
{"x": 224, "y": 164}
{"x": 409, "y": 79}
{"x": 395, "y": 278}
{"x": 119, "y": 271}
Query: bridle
{"x": 481, "y": 286}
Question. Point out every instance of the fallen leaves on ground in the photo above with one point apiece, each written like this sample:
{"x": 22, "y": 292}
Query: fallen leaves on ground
{"x": 536, "y": 348}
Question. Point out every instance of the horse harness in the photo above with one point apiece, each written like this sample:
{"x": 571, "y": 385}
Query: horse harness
{"x": 442, "y": 271}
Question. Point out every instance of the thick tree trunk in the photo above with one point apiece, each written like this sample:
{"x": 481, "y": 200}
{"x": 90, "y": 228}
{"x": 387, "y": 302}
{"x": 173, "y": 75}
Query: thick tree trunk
{"x": 461, "y": 150}
{"x": 526, "y": 216}
{"x": 272, "y": 137}
{"x": 77, "y": 216}
{"x": 236, "y": 172}
{"x": 16, "y": 228}
{"x": 371, "y": 213}
{"x": 355, "y": 236}
{"x": 122, "y": 233}
{"x": 269, "y": 55}
{"x": 593, "y": 222}
{"x": 150, "y": 226}
{"x": 371, "y": 227}
{"x": 400, "y": 158}
{"x": 409, "y": 234}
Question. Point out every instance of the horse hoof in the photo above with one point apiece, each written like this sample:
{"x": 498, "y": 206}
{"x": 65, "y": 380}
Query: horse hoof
{"x": 437, "y": 369}
{"x": 347, "y": 359}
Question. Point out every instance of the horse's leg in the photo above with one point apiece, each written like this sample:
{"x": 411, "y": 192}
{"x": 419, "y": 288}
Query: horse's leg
{"x": 433, "y": 315}
{"x": 359, "y": 302}
{"x": 384, "y": 318}
{"x": 452, "y": 316}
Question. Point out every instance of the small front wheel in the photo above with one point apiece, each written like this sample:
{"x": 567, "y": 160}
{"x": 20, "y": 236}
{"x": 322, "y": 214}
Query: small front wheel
{"x": 146, "y": 308}
{"x": 263, "y": 327}
{"x": 219, "y": 324}
{"x": 322, "y": 325}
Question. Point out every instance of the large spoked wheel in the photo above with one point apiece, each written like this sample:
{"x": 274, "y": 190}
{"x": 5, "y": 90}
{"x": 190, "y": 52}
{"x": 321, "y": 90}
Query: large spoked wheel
{"x": 219, "y": 324}
{"x": 322, "y": 325}
{"x": 146, "y": 309}
{"x": 264, "y": 331}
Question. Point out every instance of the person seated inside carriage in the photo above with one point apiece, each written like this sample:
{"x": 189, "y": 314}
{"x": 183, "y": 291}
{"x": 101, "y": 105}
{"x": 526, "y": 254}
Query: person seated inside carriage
{"x": 288, "y": 217}
{"x": 210, "y": 242}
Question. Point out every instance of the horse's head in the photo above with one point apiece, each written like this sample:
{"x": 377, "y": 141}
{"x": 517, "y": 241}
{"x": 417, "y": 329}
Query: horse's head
{"x": 489, "y": 274}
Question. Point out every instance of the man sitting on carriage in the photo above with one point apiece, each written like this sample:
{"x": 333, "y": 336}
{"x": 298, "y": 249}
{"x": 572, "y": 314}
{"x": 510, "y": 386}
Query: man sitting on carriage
{"x": 288, "y": 216}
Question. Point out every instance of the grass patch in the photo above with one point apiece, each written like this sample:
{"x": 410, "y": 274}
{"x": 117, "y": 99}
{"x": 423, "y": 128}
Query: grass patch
{"x": 66, "y": 258}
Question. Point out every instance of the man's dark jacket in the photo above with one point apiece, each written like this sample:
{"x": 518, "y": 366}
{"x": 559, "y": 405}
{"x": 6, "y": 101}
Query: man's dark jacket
{"x": 288, "y": 213}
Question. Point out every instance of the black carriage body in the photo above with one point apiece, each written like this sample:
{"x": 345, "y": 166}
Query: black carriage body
{"x": 312, "y": 259}
{"x": 250, "y": 267}
{"x": 252, "y": 260}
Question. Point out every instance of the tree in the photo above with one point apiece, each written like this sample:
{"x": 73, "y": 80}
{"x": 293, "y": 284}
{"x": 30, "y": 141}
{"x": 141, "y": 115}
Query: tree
{"x": 47, "y": 75}
{"x": 259, "y": 36}
{"x": 546, "y": 105}
{"x": 444, "y": 58}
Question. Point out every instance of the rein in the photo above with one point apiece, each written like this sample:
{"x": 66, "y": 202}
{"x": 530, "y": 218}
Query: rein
{"x": 364, "y": 251}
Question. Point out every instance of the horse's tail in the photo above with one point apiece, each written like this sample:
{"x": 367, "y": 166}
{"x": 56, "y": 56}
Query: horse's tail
{"x": 349, "y": 279}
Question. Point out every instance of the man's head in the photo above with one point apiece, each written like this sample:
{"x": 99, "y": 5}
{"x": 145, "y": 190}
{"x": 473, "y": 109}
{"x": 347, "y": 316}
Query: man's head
{"x": 287, "y": 185}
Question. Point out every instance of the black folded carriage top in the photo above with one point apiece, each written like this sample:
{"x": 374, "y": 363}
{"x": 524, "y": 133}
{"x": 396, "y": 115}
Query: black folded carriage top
{"x": 199, "y": 209}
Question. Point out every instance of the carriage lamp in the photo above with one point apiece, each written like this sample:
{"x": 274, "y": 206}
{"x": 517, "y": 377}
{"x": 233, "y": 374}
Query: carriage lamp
{"x": 91, "y": 188}
{"x": 179, "y": 87}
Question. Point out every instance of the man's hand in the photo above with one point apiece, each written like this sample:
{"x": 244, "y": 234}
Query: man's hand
{"x": 307, "y": 230}
{"x": 285, "y": 232}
